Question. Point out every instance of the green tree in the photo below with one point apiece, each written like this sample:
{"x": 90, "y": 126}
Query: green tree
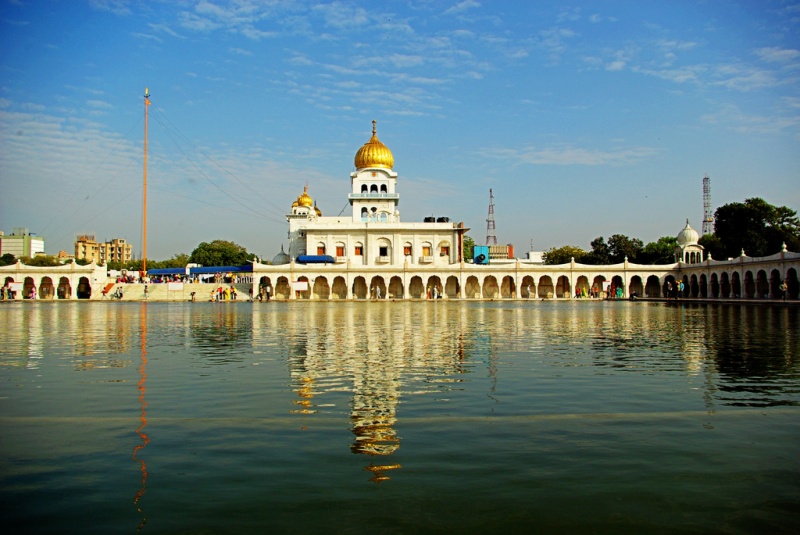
{"x": 40, "y": 261}
{"x": 220, "y": 253}
{"x": 755, "y": 226}
{"x": 600, "y": 253}
{"x": 469, "y": 246}
{"x": 178, "y": 261}
{"x": 621, "y": 246}
{"x": 7, "y": 259}
{"x": 661, "y": 251}
{"x": 562, "y": 255}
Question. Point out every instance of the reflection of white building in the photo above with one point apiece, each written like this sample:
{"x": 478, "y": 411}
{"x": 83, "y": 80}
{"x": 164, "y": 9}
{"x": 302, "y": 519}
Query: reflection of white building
{"x": 374, "y": 234}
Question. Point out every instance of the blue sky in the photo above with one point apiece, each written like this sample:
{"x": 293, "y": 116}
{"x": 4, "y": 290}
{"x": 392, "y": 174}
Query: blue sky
{"x": 585, "y": 118}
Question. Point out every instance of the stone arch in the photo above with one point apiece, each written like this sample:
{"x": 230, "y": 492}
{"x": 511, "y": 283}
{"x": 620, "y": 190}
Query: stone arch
{"x": 46, "y": 288}
{"x": 339, "y": 288}
{"x": 792, "y": 284}
{"x": 562, "y": 287}
{"x": 383, "y": 188}
{"x": 762, "y": 285}
{"x": 749, "y": 285}
{"x": 395, "y": 288}
{"x": 373, "y": 188}
{"x": 703, "y": 286}
{"x": 433, "y": 282}
{"x": 582, "y": 286}
{"x": 714, "y": 285}
{"x": 364, "y": 188}
{"x": 28, "y": 288}
{"x": 303, "y": 294}
{"x": 377, "y": 288}
{"x": 694, "y": 286}
{"x": 64, "y": 290}
{"x": 597, "y": 285}
{"x": 775, "y": 284}
{"x": 528, "y": 289}
{"x": 490, "y": 287}
{"x": 507, "y": 287}
{"x": 364, "y": 215}
{"x": 322, "y": 289}
{"x": 546, "y": 289}
{"x": 725, "y": 285}
{"x": 451, "y": 287}
{"x": 670, "y": 287}
{"x": 736, "y": 285}
{"x": 635, "y": 286}
{"x": 617, "y": 283}
{"x": 84, "y": 288}
{"x": 472, "y": 289}
{"x": 653, "y": 287}
{"x": 282, "y": 288}
{"x": 359, "y": 288}
{"x": 415, "y": 287}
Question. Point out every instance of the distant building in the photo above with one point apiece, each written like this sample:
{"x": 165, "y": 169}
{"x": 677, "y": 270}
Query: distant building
{"x": 87, "y": 248}
{"x": 21, "y": 242}
{"x": 65, "y": 257}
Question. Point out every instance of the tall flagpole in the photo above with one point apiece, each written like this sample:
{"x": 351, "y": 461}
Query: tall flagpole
{"x": 144, "y": 203}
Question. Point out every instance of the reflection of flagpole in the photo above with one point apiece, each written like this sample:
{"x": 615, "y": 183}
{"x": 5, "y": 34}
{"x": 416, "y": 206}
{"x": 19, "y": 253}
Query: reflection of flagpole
{"x": 143, "y": 417}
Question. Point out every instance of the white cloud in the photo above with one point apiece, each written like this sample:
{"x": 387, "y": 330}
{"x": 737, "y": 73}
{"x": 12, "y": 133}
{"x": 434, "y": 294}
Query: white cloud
{"x": 566, "y": 154}
{"x": 778, "y": 55}
{"x": 461, "y": 7}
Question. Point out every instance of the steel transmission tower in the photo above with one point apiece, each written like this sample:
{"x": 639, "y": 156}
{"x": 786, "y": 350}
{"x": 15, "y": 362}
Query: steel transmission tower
{"x": 708, "y": 216}
{"x": 491, "y": 237}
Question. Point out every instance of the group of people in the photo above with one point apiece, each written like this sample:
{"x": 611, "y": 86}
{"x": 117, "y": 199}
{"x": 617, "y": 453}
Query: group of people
{"x": 223, "y": 293}
{"x": 674, "y": 291}
{"x": 583, "y": 292}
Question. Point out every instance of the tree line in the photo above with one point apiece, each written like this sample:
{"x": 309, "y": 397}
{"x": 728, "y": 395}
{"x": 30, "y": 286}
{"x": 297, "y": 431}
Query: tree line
{"x": 753, "y": 226}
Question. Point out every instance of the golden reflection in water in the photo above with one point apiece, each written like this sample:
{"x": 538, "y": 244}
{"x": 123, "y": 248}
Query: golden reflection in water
{"x": 143, "y": 416}
{"x": 377, "y": 354}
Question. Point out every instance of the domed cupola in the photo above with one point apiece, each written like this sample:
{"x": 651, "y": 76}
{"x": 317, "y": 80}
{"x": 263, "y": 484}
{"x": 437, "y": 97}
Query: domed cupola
{"x": 281, "y": 258}
{"x": 374, "y": 153}
{"x": 304, "y": 200}
{"x": 688, "y": 236}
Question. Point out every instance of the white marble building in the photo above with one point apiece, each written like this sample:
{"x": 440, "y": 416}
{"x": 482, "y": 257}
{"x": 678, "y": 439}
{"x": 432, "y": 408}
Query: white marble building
{"x": 373, "y": 235}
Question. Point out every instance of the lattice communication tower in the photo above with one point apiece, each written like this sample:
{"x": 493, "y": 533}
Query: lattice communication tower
{"x": 491, "y": 237}
{"x": 708, "y": 216}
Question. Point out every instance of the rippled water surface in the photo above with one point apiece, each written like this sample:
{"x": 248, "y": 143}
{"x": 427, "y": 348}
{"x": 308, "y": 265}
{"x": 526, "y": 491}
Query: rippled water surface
{"x": 365, "y": 417}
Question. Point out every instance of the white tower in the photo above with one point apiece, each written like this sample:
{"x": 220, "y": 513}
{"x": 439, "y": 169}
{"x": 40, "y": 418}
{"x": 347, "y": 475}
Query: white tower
{"x": 373, "y": 195}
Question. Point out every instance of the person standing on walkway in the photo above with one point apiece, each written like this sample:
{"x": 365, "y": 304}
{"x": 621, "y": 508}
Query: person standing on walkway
{"x": 783, "y": 289}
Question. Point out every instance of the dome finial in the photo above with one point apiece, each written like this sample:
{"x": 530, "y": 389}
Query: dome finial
{"x": 374, "y": 127}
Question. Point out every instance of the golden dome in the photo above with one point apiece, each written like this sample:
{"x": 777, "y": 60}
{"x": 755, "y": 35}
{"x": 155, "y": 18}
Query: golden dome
{"x": 374, "y": 153}
{"x": 304, "y": 199}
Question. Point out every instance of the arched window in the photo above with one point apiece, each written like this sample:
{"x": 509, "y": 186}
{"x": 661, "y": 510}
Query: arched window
{"x": 320, "y": 248}
{"x": 373, "y": 189}
{"x": 383, "y": 188}
{"x": 364, "y": 215}
{"x": 364, "y": 188}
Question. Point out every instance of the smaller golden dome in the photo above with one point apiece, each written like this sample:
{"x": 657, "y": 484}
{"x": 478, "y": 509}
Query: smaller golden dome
{"x": 374, "y": 153}
{"x": 304, "y": 199}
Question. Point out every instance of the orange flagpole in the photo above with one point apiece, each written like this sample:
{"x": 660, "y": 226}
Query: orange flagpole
{"x": 144, "y": 203}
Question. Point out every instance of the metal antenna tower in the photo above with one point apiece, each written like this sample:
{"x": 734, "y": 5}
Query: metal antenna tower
{"x": 491, "y": 237}
{"x": 708, "y": 217}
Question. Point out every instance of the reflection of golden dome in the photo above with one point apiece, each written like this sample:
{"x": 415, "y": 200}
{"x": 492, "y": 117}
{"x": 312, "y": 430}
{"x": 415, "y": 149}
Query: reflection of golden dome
{"x": 374, "y": 153}
{"x": 304, "y": 199}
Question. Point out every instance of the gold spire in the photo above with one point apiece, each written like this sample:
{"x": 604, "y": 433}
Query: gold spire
{"x": 304, "y": 199}
{"x": 374, "y": 153}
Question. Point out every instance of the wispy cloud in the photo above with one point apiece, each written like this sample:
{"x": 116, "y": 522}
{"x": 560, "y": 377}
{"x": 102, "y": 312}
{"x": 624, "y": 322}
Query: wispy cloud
{"x": 461, "y": 7}
{"x": 566, "y": 154}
